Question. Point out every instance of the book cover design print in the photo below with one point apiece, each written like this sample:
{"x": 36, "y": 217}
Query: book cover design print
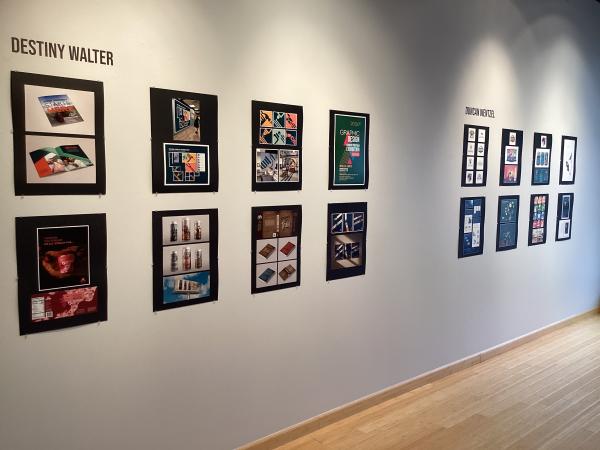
{"x": 54, "y": 160}
{"x": 276, "y": 146}
{"x": 58, "y": 130}
{"x": 60, "y": 110}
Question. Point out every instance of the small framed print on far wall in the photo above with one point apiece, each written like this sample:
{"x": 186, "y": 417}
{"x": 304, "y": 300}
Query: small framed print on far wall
{"x": 564, "y": 216}
{"x": 276, "y": 232}
{"x": 346, "y": 240}
{"x": 185, "y": 141}
{"x": 61, "y": 267}
{"x": 185, "y": 246}
{"x": 475, "y": 155}
{"x": 538, "y": 219}
{"x": 568, "y": 160}
{"x": 58, "y": 135}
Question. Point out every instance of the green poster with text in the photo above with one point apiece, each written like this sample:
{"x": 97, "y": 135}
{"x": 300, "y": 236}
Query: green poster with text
{"x": 349, "y": 150}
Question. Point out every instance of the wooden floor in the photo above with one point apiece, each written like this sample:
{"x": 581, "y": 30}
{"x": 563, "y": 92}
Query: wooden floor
{"x": 542, "y": 395}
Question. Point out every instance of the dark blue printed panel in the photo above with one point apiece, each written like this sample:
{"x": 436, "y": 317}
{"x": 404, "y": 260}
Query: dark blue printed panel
{"x": 185, "y": 164}
{"x": 472, "y": 226}
{"x": 508, "y": 222}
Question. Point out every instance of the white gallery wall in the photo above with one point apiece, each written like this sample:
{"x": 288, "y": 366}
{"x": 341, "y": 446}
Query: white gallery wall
{"x": 217, "y": 375}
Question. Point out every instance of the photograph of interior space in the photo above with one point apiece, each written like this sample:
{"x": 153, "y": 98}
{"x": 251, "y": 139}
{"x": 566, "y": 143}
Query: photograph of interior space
{"x": 300, "y": 225}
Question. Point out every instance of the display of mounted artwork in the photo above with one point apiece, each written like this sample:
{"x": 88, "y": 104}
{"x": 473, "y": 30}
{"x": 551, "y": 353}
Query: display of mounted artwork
{"x": 471, "y": 226}
{"x": 185, "y": 261}
{"x": 475, "y": 153}
{"x": 276, "y": 147}
{"x": 275, "y": 247}
{"x": 348, "y": 150}
{"x": 538, "y": 215}
{"x": 58, "y": 135}
{"x": 61, "y": 269}
{"x": 564, "y": 216}
{"x": 542, "y": 153}
{"x": 184, "y": 128}
{"x": 346, "y": 240}
{"x": 511, "y": 155}
{"x": 568, "y": 159}
{"x": 507, "y": 230}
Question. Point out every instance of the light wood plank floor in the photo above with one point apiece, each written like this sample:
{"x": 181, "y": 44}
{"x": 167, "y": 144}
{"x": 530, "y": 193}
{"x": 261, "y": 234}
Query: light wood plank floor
{"x": 542, "y": 395}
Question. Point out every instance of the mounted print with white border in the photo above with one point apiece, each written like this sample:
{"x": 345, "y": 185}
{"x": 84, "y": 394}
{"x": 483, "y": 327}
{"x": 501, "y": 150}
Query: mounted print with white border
{"x": 511, "y": 157}
{"x": 568, "y": 160}
{"x": 542, "y": 157}
{"x": 185, "y": 259}
{"x": 564, "y": 216}
{"x": 184, "y": 128}
{"x": 475, "y": 155}
{"x": 61, "y": 268}
{"x": 58, "y": 135}
{"x": 346, "y": 240}
{"x": 276, "y": 146}
{"x": 538, "y": 219}
{"x": 276, "y": 232}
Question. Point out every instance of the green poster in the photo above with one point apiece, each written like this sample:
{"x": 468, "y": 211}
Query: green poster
{"x": 350, "y": 134}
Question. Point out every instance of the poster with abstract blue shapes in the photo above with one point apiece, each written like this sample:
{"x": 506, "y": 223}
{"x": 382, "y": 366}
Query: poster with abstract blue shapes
{"x": 508, "y": 222}
{"x": 346, "y": 240}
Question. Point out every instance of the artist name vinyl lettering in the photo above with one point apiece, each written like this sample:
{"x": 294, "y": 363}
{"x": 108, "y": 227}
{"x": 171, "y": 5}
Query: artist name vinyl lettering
{"x": 61, "y": 51}
{"x": 471, "y": 111}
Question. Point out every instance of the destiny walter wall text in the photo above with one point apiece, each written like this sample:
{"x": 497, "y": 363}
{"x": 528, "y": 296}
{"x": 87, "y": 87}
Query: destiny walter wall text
{"x": 57, "y": 50}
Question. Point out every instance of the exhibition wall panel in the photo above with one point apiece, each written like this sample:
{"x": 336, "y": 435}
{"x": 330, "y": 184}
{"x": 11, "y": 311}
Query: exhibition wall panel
{"x": 218, "y": 374}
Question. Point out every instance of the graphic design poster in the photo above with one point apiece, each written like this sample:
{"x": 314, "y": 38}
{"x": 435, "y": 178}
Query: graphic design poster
{"x": 471, "y": 226}
{"x": 185, "y": 257}
{"x": 276, "y": 146}
{"x": 346, "y": 240}
{"x": 507, "y": 231}
{"x": 511, "y": 155}
{"x": 564, "y": 216}
{"x": 538, "y": 215}
{"x": 184, "y": 128}
{"x": 568, "y": 157}
{"x": 276, "y": 234}
{"x": 61, "y": 266}
{"x": 542, "y": 153}
{"x": 475, "y": 155}
{"x": 349, "y": 150}
{"x": 58, "y": 135}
